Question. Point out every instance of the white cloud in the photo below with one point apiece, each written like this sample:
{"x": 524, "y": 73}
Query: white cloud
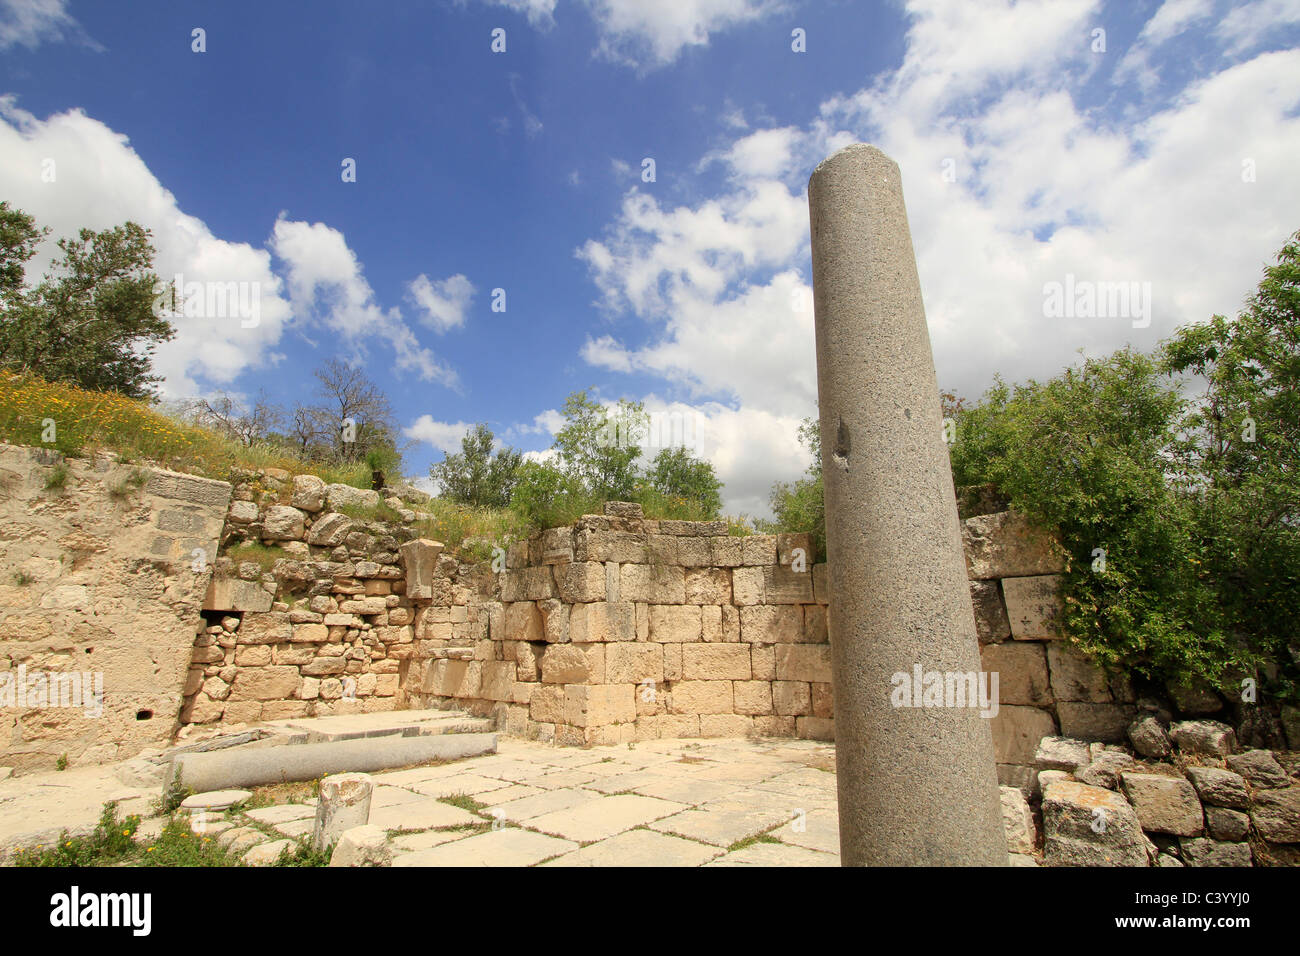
{"x": 1172, "y": 19}
{"x": 100, "y": 182}
{"x": 444, "y": 436}
{"x": 1045, "y": 187}
{"x": 1247, "y": 26}
{"x": 29, "y": 23}
{"x": 653, "y": 34}
{"x": 326, "y": 282}
{"x": 540, "y": 13}
{"x": 442, "y": 302}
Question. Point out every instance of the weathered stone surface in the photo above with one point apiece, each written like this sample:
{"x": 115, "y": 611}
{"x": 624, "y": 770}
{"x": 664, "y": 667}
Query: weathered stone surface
{"x": 1105, "y": 769}
{"x": 991, "y": 622}
{"x": 1074, "y": 677}
{"x": 1260, "y": 768}
{"x": 266, "y": 854}
{"x": 602, "y": 621}
{"x": 1007, "y": 545}
{"x": 1021, "y": 670}
{"x": 264, "y": 683}
{"x": 1090, "y": 826}
{"x": 420, "y": 562}
{"x": 1148, "y": 738}
{"x": 345, "y": 496}
{"x": 329, "y": 530}
{"x": 1164, "y": 804}
{"x": 283, "y": 523}
{"x": 715, "y": 662}
{"x": 1033, "y": 607}
{"x": 1221, "y": 788}
{"x": 582, "y": 582}
{"x": 365, "y": 845}
{"x": 1203, "y": 852}
{"x": 234, "y": 594}
{"x": 308, "y": 493}
{"x": 1018, "y": 821}
{"x": 1203, "y": 737}
{"x": 214, "y": 801}
{"x": 1276, "y": 815}
{"x": 344, "y": 803}
{"x": 1017, "y": 731}
{"x": 1194, "y": 700}
{"x": 1225, "y": 824}
{"x": 900, "y": 592}
{"x": 1106, "y": 722}
{"x": 1062, "y": 753}
{"x": 802, "y": 662}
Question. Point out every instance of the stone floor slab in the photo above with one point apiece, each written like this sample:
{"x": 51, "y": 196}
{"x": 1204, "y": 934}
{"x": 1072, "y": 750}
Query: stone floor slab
{"x": 818, "y": 830}
{"x": 640, "y": 848}
{"x": 720, "y": 827}
{"x": 465, "y": 784}
{"x": 508, "y": 846}
{"x": 548, "y": 801}
{"x": 602, "y": 818}
{"x": 425, "y": 815}
{"x": 775, "y": 854}
{"x": 281, "y": 813}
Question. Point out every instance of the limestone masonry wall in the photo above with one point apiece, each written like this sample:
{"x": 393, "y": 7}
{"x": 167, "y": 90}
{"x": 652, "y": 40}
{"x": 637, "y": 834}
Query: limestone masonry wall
{"x": 104, "y": 567}
{"x": 619, "y": 628}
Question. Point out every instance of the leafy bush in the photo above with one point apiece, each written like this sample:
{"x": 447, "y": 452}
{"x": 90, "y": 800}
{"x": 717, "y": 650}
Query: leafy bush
{"x": 1180, "y": 515}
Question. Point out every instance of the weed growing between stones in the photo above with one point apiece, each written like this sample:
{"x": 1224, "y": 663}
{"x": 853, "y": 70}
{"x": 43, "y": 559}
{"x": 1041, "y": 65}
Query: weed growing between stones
{"x": 173, "y": 797}
{"x": 57, "y": 480}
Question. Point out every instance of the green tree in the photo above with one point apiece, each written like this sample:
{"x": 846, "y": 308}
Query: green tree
{"x": 676, "y": 473}
{"x": 18, "y": 240}
{"x": 800, "y": 505}
{"x": 1086, "y": 453}
{"x": 1239, "y": 457}
{"x": 91, "y": 321}
{"x": 598, "y": 448}
{"x": 476, "y": 476}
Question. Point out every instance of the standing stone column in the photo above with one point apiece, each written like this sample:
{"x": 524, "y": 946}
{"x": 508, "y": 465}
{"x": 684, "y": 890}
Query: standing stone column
{"x": 343, "y": 803}
{"x": 917, "y": 784}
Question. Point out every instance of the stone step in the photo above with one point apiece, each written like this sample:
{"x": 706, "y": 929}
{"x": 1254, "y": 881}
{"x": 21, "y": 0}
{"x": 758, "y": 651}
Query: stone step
{"x": 403, "y": 723}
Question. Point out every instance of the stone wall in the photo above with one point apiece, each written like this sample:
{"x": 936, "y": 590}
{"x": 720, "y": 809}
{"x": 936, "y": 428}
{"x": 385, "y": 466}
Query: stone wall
{"x": 104, "y": 567}
{"x": 323, "y": 624}
{"x": 622, "y": 628}
{"x": 619, "y": 628}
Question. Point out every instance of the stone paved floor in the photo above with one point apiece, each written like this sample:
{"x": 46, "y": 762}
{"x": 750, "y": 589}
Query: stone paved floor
{"x": 660, "y": 803}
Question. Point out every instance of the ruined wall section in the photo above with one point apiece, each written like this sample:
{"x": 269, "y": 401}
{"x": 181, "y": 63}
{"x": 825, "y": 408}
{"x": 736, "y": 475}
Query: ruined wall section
{"x": 104, "y": 568}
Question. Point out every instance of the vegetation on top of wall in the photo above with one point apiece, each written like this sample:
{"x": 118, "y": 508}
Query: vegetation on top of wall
{"x": 78, "y": 422}
{"x": 1180, "y": 515}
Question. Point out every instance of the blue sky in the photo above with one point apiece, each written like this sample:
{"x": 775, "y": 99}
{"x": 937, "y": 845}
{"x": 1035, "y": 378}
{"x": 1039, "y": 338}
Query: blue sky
{"x": 1163, "y": 154}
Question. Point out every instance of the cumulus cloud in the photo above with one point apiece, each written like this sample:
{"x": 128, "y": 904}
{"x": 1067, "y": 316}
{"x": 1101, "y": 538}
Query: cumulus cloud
{"x": 326, "y": 283}
{"x": 654, "y": 34}
{"x": 442, "y": 303}
{"x": 1250, "y": 24}
{"x": 100, "y": 182}
{"x": 647, "y": 35}
{"x": 72, "y": 172}
{"x": 29, "y": 23}
{"x": 444, "y": 436}
{"x": 1011, "y": 181}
